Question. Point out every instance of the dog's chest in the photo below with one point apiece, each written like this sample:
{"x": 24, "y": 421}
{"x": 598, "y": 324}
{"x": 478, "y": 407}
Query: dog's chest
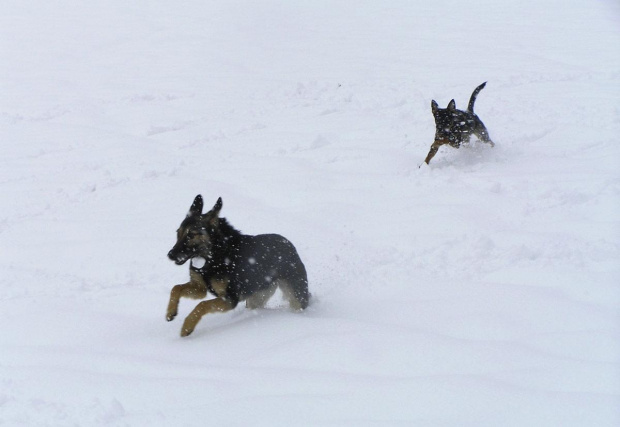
{"x": 216, "y": 283}
{"x": 460, "y": 130}
{"x": 219, "y": 286}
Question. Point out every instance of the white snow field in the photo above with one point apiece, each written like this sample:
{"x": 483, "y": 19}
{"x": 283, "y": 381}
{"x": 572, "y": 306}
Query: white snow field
{"x": 480, "y": 290}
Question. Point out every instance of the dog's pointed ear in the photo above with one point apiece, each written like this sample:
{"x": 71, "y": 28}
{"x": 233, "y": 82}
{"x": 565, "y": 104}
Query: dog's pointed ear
{"x": 452, "y": 105}
{"x": 196, "y": 207}
{"x": 217, "y": 207}
{"x": 434, "y": 106}
{"x": 213, "y": 215}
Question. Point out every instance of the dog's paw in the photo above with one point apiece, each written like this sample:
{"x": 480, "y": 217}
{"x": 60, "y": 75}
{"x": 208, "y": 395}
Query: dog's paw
{"x": 188, "y": 327}
{"x": 170, "y": 316}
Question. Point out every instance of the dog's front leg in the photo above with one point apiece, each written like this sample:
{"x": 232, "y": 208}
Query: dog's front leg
{"x": 438, "y": 143}
{"x": 204, "y": 307}
{"x": 195, "y": 289}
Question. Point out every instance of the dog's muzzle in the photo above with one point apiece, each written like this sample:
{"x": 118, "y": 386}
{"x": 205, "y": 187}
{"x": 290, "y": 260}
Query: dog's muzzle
{"x": 178, "y": 258}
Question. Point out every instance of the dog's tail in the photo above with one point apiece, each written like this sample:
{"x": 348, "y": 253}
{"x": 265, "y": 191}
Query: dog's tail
{"x": 472, "y": 100}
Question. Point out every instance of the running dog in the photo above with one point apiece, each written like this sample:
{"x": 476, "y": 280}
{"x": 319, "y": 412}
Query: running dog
{"x": 454, "y": 127}
{"x": 232, "y": 266}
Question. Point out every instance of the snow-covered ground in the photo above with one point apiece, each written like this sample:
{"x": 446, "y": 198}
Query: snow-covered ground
{"x": 482, "y": 290}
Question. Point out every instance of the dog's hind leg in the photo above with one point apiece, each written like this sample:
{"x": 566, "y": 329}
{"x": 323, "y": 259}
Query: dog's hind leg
{"x": 260, "y": 298}
{"x": 483, "y": 136}
{"x": 482, "y": 133}
{"x": 295, "y": 293}
{"x": 205, "y": 307}
{"x": 195, "y": 289}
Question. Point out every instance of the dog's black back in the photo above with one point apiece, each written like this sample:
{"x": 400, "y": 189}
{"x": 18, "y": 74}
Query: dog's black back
{"x": 253, "y": 263}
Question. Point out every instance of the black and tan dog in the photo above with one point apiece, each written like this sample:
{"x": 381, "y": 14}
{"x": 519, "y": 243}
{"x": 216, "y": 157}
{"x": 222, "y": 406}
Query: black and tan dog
{"x": 454, "y": 127}
{"x": 232, "y": 266}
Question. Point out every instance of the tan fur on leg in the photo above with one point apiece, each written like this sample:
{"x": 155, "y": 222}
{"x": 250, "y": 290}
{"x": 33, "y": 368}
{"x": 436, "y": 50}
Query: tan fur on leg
{"x": 260, "y": 298}
{"x": 195, "y": 289}
{"x": 436, "y": 144}
{"x": 204, "y": 307}
{"x": 289, "y": 295}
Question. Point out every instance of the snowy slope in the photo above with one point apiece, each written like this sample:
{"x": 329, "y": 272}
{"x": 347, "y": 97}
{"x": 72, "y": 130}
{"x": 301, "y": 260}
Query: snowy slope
{"x": 482, "y": 290}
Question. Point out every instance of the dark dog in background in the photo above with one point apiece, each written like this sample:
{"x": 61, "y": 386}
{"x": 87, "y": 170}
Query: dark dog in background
{"x": 454, "y": 127}
{"x": 232, "y": 266}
